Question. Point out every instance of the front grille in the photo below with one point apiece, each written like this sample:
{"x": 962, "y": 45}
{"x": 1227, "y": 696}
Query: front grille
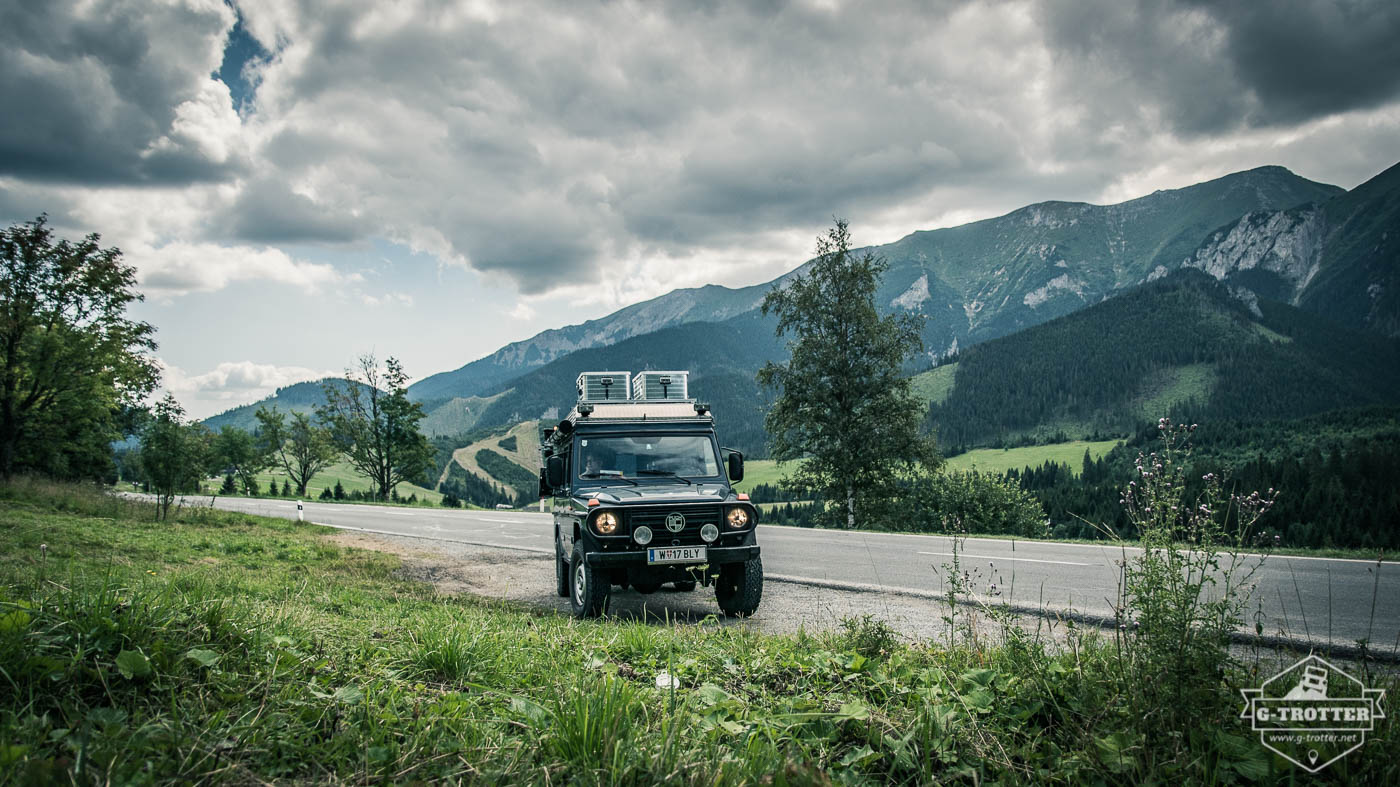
{"x": 655, "y": 518}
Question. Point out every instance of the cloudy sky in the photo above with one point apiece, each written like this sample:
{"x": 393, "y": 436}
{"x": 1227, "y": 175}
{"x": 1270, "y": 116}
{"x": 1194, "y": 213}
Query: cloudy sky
{"x": 301, "y": 182}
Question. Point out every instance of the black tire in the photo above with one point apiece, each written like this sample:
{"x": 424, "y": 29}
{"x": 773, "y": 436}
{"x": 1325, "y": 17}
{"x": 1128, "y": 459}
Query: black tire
{"x": 739, "y": 587}
{"x": 685, "y": 586}
{"x": 646, "y": 588}
{"x": 561, "y": 572}
{"x": 589, "y": 592}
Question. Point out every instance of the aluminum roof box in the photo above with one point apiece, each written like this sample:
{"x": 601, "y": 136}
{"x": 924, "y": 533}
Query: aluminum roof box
{"x": 660, "y": 386}
{"x": 603, "y": 386}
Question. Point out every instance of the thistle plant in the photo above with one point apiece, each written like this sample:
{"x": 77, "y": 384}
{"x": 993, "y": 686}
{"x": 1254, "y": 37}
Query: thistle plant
{"x": 1188, "y": 589}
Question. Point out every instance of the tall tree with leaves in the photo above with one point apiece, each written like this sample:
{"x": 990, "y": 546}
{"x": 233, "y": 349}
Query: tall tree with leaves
{"x": 174, "y": 454}
{"x": 374, "y": 424}
{"x": 238, "y": 452}
{"x": 73, "y": 362}
{"x": 301, "y": 448}
{"x": 844, "y": 406}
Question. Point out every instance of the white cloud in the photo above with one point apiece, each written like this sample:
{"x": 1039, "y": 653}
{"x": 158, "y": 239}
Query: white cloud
{"x": 178, "y": 268}
{"x": 387, "y": 299}
{"x": 232, "y": 383}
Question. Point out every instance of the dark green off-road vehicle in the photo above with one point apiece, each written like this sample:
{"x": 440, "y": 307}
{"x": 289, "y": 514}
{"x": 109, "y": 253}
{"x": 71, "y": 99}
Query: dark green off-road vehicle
{"x": 641, "y": 496}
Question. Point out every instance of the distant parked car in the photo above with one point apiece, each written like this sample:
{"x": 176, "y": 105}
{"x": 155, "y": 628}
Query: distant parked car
{"x": 504, "y": 506}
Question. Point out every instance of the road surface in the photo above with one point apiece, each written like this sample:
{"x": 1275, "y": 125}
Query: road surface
{"x": 1315, "y": 599}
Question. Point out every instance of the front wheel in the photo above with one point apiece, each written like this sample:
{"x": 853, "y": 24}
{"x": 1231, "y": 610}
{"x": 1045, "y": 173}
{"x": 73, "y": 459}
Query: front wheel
{"x": 589, "y": 592}
{"x": 739, "y": 587}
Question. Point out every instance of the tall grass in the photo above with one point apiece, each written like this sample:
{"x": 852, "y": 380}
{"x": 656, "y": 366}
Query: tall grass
{"x": 219, "y": 647}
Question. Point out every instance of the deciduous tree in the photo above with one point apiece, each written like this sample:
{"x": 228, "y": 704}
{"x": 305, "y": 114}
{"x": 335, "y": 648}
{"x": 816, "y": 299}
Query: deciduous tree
{"x": 300, "y": 447}
{"x": 238, "y": 452}
{"x": 374, "y": 424}
{"x": 844, "y": 405}
{"x": 173, "y": 454}
{"x": 74, "y": 363}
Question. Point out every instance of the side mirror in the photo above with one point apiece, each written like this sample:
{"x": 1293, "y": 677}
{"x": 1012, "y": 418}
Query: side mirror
{"x": 736, "y": 466}
{"x": 554, "y": 472}
{"x": 545, "y": 491}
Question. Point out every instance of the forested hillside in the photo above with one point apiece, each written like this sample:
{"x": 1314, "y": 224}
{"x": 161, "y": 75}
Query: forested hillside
{"x": 1181, "y": 344}
{"x": 1335, "y": 473}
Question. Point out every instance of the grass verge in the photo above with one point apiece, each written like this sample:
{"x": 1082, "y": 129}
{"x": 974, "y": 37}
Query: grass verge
{"x": 222, "y": 647}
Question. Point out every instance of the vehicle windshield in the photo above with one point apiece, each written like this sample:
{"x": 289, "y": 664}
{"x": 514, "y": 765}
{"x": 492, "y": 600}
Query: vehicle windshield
{"x": 648, "y": 456}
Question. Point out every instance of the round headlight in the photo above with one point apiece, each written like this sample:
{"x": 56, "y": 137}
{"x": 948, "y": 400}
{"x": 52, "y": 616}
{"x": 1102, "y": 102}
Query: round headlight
{"x": 642, "y": 535}
{"x": 709, "y": 532}
{"x": 605, "y": 523}
{"x": 737, "y": 517}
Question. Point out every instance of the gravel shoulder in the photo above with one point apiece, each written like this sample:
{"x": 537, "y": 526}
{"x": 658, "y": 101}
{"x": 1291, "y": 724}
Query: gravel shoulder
{"x": 788, "y": 607}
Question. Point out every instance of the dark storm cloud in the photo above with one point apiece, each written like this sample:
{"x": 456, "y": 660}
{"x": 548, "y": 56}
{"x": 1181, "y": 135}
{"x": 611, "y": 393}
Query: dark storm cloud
{"x": 1207, "y": 67}
{"x": 553, "y": 142}
{"x": 1307, "y": 58}
{"x": 93, "y": 92}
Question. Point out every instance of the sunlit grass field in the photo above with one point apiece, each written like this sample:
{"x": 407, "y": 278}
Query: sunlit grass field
{"x": 999, "y": 460}
{"x": 350, "y": 480}
{"x": 986, "y": 460}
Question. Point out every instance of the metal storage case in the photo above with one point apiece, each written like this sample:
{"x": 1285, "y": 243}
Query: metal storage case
{"x": 603, "y": 386}
{"x": 660, "y": 386}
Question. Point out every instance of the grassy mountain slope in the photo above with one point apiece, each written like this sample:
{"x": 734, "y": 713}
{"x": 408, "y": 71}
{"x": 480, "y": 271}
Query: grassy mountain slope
{"x": 454, "y": 416}
{"x": 1096, "y": 371}
{"x": 519, "y": 446}
{"x": 1359, "y": 269}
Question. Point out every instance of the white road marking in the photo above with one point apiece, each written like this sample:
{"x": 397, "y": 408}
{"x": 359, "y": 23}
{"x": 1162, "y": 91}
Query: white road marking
{"x": 1003, "y": 557}
{"x": 507, "y": 521}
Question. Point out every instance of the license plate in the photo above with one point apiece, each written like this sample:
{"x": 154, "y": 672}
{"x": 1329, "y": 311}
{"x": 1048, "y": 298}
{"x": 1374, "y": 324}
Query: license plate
{"x": 676, "y": 555}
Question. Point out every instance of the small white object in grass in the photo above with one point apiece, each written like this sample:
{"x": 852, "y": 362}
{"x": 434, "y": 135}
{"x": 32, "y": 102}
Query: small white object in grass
{"x": 666, "y": 680}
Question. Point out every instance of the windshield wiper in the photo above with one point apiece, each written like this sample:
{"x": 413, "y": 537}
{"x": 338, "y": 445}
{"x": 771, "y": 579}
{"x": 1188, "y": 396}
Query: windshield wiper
{"x": 608, "y": 476}
{"x": 670, "y": 473}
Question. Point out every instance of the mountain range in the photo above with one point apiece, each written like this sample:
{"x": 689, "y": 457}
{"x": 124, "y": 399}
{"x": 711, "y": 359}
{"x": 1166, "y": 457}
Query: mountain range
{"x": 1273, "y": 239}
{"x": 973, "y": 282}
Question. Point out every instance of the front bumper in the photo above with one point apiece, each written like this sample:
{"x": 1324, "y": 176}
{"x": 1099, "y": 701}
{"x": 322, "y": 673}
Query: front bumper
{"x": 639, "y": 558}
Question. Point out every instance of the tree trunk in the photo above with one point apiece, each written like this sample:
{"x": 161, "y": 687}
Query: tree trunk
{"x": 850, "y": 507}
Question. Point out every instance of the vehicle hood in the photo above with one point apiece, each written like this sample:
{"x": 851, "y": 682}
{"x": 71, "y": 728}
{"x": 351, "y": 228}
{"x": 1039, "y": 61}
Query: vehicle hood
{"x": 659, "y": 494}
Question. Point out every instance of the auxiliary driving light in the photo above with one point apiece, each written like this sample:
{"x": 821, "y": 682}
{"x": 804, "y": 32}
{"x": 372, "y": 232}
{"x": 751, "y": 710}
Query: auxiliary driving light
{"x": 737, "y": 517}
{"x": 605, "y": 523}
{"x": 709, "y": 532}
{"x": 642, "y": 535}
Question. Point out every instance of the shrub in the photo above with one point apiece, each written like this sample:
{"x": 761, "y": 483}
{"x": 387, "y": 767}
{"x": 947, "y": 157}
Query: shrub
{"x": 971, "y": 502}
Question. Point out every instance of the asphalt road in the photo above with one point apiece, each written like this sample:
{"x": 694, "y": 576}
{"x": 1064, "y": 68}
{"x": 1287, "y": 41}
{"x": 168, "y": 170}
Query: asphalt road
{"x": 1301, "y": 598}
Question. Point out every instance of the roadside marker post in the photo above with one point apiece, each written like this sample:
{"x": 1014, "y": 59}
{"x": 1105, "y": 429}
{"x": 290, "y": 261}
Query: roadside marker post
{"x": 301, "y": 515}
